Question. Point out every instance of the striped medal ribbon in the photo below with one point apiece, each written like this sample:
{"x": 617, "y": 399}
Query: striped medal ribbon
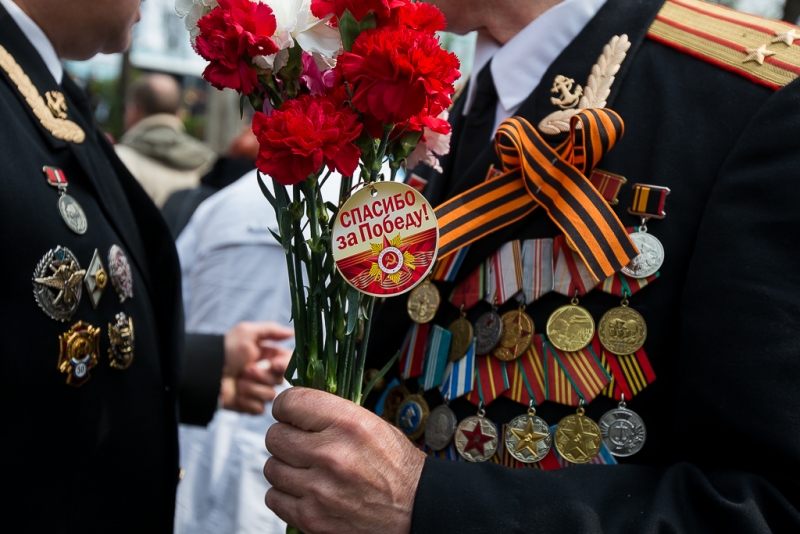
{"x": 536, "y": 174}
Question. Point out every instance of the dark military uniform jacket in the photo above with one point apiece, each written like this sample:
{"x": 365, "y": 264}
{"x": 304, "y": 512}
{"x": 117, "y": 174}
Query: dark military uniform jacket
{"x": 723, "y": 445}
{"x": 102, "y": 457}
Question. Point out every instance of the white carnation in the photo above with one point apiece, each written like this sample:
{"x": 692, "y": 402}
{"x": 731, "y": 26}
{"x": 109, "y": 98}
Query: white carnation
{"x": 191, "y": 11}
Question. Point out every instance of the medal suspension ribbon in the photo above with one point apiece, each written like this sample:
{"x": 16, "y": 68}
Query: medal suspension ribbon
{"x": 536, "y": 174}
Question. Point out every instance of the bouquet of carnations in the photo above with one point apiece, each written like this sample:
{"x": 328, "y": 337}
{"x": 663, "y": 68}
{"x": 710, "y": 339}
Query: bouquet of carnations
{"x": 356, "y": 87}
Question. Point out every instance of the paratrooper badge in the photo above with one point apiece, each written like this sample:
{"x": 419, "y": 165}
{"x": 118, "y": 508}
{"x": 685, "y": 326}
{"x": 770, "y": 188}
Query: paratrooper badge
{"x": 57, "y": 284}
{"x": 80, "y": 349}
{"x": 122, "y": 342}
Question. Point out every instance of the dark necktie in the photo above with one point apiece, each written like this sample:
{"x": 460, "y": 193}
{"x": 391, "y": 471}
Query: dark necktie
{"x": 478, "y": 128}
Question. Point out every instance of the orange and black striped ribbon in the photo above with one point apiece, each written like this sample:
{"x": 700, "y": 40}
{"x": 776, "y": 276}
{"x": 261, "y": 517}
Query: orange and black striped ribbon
{"x": 648, "y": 201}
{"x": 536, "y": 174}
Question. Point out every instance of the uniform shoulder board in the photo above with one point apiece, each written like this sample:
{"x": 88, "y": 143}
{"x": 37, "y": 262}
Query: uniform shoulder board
{"x": 762, "y": 50}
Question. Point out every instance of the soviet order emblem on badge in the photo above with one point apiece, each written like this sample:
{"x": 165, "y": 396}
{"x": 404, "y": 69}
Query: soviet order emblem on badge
{"x": 412, "y": 416}
{"x": 57, "y": 284}
{"x": 120, "y": 270}
{"x": 385, "y": 239}
{"x": 80, "y": 349}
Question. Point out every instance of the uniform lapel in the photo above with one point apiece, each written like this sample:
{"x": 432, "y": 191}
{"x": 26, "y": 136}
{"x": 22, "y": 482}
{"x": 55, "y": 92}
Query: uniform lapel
{"x": 616, "y": 17}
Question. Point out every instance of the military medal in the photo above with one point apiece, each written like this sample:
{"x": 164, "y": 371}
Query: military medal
{"x": 622, "y": 331}
{"x": 462, "y": 335}
{"x": 95, "y": 280}
{"x": 488, "y": 332}
{"x": 70, "y": 210}
{"x": 121, "y": 276}
{"x": 80, "y": 349}
{"x": 476, "y": 438}
{"x": 528, "y": 437}
{"x": 648, "y": 203}
{"x": 394, "y": 398}
{"x": 412, "y": 415}
{"x": 578, "y": 439}
{"x": 517, "y": 335}
{"x": 385, "y": 239}
{"x": 423, "y": 302}
{"x": 57, "y": 284}
{"x": 623, "y": 431}
{"x": 440, "y": 428}
{"x": 570, "y": 328}
{"x": 122, "y": 342}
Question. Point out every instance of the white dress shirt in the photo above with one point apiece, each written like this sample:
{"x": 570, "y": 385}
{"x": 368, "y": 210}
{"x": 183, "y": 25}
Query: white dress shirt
{"x": 518, "y": 66}
{"x": 37, "y": 38}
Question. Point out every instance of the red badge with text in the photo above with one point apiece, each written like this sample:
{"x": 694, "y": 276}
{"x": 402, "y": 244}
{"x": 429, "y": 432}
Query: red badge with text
{"x": 385, "y": 239}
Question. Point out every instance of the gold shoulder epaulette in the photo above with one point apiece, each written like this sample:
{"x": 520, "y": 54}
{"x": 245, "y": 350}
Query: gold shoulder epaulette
{"x": 763, "y": 50}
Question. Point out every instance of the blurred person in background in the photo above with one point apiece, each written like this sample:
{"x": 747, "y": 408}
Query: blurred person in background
{"x": 156, "y": 148}
{"x": 90, "y": 403}
{"x": 233, "y": 270}
{"x": 238, "y": 160}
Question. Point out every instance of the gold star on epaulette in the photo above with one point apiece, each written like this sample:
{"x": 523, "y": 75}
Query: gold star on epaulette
{"x": 758, "y": 54}
{"x": 787, "y": 37}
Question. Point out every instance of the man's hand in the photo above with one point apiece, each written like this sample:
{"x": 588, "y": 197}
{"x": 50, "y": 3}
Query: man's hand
{"x": 336, "y": 467}
{"x": 253, "y": 366}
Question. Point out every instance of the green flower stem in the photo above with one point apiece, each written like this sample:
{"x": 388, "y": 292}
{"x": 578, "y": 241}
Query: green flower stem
{"x": 358, "y": 380}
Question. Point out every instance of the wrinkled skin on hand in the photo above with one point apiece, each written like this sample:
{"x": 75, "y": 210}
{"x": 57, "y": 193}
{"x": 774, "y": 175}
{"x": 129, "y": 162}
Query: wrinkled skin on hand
{"x": 336, "y": 467}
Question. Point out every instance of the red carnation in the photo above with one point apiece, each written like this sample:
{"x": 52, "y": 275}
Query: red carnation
{"x": 417, "y": 16}
{"x": 399, "y": 73}
{"x": 358, "y": 8}
{"x": 230, "y": 36}
{"x": 303, "y": 134}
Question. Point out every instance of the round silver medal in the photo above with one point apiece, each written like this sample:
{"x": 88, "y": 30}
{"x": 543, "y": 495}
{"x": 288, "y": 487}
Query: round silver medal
{"x": 476, "y": 439}
{"x": 73, "y": 214}
{"x": 528, "y": 438}
{"x": 650, "y": 258}
{"x": 623, "y": 431}
{"x": 440, "y": 427}
{"x": 57, "y": 284}
{"x": 488, "y": 332}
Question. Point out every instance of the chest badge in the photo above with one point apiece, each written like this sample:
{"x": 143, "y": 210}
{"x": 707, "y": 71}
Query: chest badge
{"x": 593, "y": 95}
{"x": 57, "y": 284}
{"x": 121, "y": 276}
{"x": 80, "y": 347}
{"x": 122, "y": 342}
{"x": 96, "y": 279}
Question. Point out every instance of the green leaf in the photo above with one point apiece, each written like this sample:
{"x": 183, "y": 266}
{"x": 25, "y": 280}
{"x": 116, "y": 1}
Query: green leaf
{"x": 349, "y": 29}
{"x": 352, "y": 309}
{"x": 275, "y": 235}
{"x": 377, "y": 377}
{"x": 369, "y": 22}
{"x": 290, "y": 370}
{"x": 241, "y": 106}
{"x": 266, "y": 192}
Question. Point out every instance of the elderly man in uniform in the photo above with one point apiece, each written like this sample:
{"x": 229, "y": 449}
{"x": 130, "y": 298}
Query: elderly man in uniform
{"x": 92, "y": 323}
{"x": 710, "y": 108}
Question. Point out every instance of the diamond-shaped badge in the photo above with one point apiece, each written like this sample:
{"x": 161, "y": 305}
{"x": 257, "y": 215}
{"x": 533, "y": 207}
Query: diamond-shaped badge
{"x": 96, "y": 279}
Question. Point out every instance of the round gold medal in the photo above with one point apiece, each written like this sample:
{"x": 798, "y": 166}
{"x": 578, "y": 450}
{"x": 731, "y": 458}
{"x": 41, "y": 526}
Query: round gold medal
{"x": 578, "y": 438}
{"x": 517, "y": 336}
{"x": 423, "y": 302}
{"x": 622, "y": 331}
{"x": 462, "y": 334}
{"x": 570, "y": 328}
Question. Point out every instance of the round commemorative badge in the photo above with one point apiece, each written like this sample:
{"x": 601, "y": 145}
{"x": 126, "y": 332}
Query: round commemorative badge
{"x": 385, "y": 239}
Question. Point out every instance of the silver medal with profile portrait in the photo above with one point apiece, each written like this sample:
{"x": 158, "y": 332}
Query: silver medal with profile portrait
{"x": 73, "y": 214}
{"x": 650, "y": 258}
{"x": 440, "y": 428}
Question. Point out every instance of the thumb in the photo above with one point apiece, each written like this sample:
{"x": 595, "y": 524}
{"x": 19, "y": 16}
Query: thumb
{"x": 311, "y": 410}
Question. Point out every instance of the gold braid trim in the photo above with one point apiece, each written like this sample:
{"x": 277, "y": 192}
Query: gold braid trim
{"x": 63, "y": 129}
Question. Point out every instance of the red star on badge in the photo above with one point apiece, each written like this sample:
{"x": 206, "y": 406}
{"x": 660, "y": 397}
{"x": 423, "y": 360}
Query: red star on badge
{"x": 476, "y": 440}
